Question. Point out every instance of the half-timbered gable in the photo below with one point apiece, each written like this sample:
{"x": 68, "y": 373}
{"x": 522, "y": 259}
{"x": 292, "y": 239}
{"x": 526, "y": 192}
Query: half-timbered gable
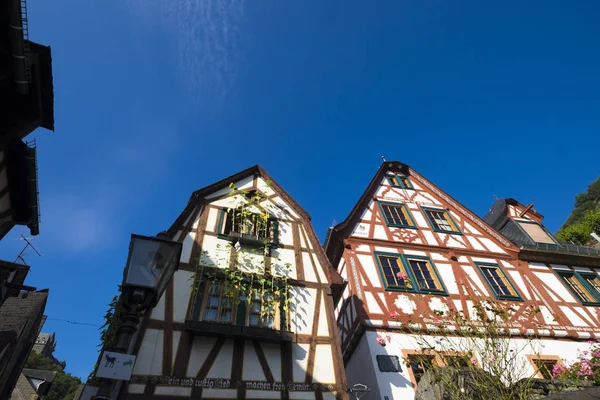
{"x": 249, "y": 313}
{"x": 411, "y": 254}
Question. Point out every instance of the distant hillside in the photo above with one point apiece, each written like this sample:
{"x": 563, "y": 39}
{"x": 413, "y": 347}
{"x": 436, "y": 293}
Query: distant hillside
{"x": 584, "y": 219}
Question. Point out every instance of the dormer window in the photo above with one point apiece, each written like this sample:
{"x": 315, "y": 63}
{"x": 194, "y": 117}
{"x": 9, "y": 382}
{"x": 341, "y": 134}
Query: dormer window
{"x": 400, "y": 181}
{"x": 536, "y": 232}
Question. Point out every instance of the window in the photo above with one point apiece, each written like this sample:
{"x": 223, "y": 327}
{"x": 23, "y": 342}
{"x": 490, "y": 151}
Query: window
{"x": 394, "y": 272}
{"x": 221, "y": 304}
{"x": 409, "y": 273}
{"x": 419, "y": 364}
{"x": 545, "y": 367}
{"x": 396, "y": 215}
{"x": 497, "y": 280}
{"x": 243, "y": 224}
{"x": 585, "y": 287}
{"x": 262, "y": 310}
{"x": 400, "y": 181}
{"x": 457, "y": 362}
{"x": 441, "y": 221}
{"x": 536, "y": 232}
{"x": 389, "y": 363}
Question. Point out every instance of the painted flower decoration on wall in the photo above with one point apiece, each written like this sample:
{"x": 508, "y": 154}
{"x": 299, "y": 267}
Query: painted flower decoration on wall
{"x": 405, "y": 304}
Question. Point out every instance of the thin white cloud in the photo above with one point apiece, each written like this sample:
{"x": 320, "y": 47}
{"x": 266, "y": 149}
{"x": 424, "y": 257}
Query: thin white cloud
{"x": 209, "y": 39}
{"x": 78, "y": 221}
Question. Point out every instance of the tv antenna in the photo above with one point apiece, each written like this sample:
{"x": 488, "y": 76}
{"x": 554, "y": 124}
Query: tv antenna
{"x": 28, "y": 243}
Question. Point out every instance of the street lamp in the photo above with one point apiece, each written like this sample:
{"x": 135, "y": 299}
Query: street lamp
{"x": 359, "y": 390}
{"x": 151, "y": 263}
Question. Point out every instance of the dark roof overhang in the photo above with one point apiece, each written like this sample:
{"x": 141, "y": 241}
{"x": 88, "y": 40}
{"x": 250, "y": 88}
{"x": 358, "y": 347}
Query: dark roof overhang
{"x": 21, "y": 170}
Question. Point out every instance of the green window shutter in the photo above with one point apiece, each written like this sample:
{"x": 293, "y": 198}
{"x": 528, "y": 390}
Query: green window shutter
{"x": 275, "y": 231}
{"x": 221, "y": 221}
{"x": 197, "y": 308}
{"x": 282, "y": 314}
{"x": 240, "y": 319}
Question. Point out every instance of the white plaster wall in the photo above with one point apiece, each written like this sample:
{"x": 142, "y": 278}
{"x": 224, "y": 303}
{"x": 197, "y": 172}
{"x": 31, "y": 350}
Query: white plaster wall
{"x": 215, "y": 252}
{"x": 262, "y": 394}
{"x": 182, "y": 289}
{"x": 219, "y": 393}
{"x": 134, "y": 388}
{"x": 186, "y": 250}
{"x": 361, "y": 370}
{"x": 323, "y": 371}
{"x": 286, "y": 234}
{"x": 302, "y": 395}
{"x": 252, "y": 370}
{"x": 362, "y": 367}
{"x": 368, "y": 263}
{"x": 272, "y": 352}
{"x": 323, "y": 328}
{"x": 211, "y": 221}
{"x": 309, "y": 271}
{"x": 250, "y": 260}
{"x": 201, "y": 347}
{"x": 299, "y": 361}
{"x": 158, "y": 312}
{"x": 221, "y": 368}
{"x": 302, "y": 307}
{"x": 174, "y": 391}
{"x": 149, "y": 359}
{"x": 264, "y": 187}
{"x": 279, "y": 259}
{"x": 550, "y": 279}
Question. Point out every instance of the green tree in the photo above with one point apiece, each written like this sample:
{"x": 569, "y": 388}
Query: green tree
{"x": 64, "y": 385}
{"x": 584, "y": 203}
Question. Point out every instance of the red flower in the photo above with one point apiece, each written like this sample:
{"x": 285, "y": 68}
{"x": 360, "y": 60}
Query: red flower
{"x": 393, "y": 315}
{"x": 401, "y": 275}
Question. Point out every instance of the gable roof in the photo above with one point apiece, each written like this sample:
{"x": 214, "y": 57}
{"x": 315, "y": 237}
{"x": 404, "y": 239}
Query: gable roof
{"x": 336, "y": 234}
{"x": 197, "y": 200}
{"x": 198, "y": 195}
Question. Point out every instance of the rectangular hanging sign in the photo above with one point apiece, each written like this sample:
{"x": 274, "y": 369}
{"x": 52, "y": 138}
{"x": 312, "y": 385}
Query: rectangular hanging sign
{"x": 115, "y": 366}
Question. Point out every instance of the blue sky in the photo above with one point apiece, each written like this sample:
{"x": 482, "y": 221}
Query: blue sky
{"x": 157, "y": 98}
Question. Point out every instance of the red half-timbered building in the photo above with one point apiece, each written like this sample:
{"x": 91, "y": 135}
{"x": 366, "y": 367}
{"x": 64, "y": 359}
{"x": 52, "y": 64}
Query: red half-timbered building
{"x": 410, "y": 250}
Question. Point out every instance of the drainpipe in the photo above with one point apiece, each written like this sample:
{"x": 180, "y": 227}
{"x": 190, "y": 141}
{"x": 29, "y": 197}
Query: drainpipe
{"x": 18, "y": 45}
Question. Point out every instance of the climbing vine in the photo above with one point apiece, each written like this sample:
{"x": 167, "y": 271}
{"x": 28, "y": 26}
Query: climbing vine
{"x": 108, "y": 331}
{"x": 253, "y": 273}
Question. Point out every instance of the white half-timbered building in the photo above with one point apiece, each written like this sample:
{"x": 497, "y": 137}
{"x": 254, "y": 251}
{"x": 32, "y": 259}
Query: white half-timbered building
{"x": 223, "y": 328}
{"x": 410, "y": 250}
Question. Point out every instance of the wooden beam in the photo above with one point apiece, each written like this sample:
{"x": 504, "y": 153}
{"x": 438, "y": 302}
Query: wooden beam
{"x": 526, "y": 210}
